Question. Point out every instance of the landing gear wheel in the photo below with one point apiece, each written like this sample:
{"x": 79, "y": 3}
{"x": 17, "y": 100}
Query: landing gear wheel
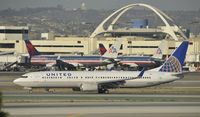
{"x": 103, "y": 91}
{"x": 50, "y": 90}
{"x": 107, "y": 91}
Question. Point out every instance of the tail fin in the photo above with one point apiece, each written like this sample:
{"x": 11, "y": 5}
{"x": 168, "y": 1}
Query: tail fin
{"x": 159, "y": 51}
{"x": 114, "y": 49}
{"x": 176, "y": 61}
{"x": 102, "y": 49}
{"x": 31, "y": 49}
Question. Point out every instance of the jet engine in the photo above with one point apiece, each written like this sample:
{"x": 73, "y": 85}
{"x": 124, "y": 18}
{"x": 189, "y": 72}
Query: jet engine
{"x": 89, "y": 87}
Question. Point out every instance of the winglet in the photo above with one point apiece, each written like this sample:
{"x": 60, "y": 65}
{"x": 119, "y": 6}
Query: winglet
{"x": 142, "y": 72}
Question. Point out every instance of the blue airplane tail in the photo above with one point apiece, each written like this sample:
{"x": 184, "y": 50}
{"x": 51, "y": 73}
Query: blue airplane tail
{"x": 31, "y": 49}
{"x": 176, "y": 61}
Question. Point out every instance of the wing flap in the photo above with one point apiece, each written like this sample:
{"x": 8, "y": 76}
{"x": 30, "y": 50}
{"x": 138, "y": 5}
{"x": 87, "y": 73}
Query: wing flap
{"x": 118, "y": 82}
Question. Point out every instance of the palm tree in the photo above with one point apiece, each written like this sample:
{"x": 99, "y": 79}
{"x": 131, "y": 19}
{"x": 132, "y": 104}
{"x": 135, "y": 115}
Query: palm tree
{"x": 2, "y": 114}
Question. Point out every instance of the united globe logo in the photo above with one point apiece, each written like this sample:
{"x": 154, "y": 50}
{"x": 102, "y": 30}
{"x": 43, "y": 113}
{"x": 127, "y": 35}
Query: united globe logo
{"x": 171, "y": 65}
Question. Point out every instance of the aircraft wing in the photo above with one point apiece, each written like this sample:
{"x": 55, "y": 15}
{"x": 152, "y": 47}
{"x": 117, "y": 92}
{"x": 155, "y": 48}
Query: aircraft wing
{"x": 109, "y": 60}
{"x": 129, "y": 64}
{"x": 62, "y": 65}
{"x": 118, "y": 62}
{"x": 117, "y": 82}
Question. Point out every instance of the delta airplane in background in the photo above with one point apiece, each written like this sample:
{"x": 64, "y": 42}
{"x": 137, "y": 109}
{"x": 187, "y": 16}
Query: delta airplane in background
{"x": 36, "y": 58}
{"x": 102, "y": 81}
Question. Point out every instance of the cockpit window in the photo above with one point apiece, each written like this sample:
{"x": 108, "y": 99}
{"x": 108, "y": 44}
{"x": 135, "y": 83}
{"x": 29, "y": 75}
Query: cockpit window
{"x": 24, "y": 76}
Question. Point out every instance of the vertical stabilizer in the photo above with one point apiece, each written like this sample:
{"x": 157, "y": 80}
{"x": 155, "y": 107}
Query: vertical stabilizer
{"x": 102, "y": 49}
{"x": 158, "y": 54}
{"x": 31, "y": 49}
{"x": 176, "y": 61}
{"x": 113, "y": 51}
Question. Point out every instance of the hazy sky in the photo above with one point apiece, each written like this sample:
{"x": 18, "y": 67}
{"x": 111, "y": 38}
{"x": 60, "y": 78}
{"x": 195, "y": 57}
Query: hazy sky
{"x": 101, "y": 4}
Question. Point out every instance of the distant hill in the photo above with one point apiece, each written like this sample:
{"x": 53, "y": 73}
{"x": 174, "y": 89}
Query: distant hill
{"x": 83, "y": 22}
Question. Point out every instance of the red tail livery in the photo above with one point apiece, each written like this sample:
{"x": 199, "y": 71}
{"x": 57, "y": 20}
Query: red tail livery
{"x": 102, "y": 49}
{"x": 31, "y": 49}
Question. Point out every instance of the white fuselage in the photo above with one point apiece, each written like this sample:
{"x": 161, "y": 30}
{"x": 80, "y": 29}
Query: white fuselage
{"x": 73, "y": 79}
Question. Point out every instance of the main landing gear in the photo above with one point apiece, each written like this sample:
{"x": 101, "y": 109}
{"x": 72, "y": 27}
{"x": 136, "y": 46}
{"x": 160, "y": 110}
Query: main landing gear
{"x": 103, "y": 91}
{"x": 50, "y": 90}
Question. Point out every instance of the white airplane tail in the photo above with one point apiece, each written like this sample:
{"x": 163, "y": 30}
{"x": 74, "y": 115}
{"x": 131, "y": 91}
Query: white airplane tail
{"x": 113, "y": 51}
{"x": 159, "y": 51}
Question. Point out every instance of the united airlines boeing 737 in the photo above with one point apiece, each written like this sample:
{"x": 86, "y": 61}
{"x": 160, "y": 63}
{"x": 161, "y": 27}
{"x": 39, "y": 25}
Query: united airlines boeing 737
{"x": 102, "y": 81}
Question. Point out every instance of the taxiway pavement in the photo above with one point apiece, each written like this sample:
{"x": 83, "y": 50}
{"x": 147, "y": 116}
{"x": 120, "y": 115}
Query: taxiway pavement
{"x": 110, "y": 109}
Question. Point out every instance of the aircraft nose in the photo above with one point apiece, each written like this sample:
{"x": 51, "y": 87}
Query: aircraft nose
{"x": 17, "y": 81}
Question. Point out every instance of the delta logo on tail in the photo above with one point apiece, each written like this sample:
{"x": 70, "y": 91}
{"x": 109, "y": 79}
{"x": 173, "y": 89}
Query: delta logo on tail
{"x": 103, "y": 50}
{"x": 31, "y": 49}
{"x": 175, "y": 62}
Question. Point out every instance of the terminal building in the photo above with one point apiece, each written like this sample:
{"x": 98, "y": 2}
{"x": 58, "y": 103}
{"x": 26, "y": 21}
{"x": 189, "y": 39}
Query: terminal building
{"x": 131, "y": 45}
{"x": 135, "y": 42}
{"x": 11, "y": 38}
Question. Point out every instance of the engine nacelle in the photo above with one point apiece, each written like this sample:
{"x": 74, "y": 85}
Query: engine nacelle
{"x": 49, "y": 65}
{"x": 89, "y": 87}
